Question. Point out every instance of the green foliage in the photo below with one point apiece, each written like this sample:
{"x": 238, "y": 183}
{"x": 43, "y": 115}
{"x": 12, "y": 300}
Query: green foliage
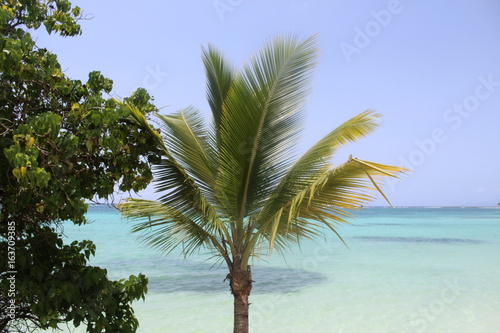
{"x": 62, "y": 142}
{"x": 65, "y": 288}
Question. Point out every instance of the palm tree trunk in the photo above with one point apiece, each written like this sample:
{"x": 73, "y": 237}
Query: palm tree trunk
{"x": 240, "y": 313}
{"x": 241, "y": 285}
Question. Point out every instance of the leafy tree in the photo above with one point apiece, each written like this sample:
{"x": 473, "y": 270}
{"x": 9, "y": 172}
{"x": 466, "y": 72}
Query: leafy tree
{"x": 62, "y": 142}
{"x": 235, "y": 187}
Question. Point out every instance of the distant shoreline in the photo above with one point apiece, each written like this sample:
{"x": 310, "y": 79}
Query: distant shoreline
{"x": 113, "y": 204}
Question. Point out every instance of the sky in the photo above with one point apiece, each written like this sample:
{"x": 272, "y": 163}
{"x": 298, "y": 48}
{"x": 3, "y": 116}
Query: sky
{"x": 432, "y": 68}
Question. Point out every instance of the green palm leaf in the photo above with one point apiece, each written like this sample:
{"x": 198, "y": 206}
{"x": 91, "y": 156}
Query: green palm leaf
{"x": 220, "y": 75}
{"x": 316, "y": 161}
{"x": 165, "y": 228}
{"x": 189, "y": 142}
{"x": 329, "y": 199}
{"x": 181, "y": 189}
{"x": 261, "y": 122}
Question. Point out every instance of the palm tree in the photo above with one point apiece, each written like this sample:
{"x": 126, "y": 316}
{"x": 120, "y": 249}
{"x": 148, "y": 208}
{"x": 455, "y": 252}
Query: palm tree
{"x": 234, "y": 186}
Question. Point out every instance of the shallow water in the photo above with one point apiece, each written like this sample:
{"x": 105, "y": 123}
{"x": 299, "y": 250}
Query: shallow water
{"x": 406, "y": 270}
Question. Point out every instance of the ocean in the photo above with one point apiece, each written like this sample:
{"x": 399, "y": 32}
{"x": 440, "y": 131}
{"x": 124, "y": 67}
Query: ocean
{"x": 408, "y": 269}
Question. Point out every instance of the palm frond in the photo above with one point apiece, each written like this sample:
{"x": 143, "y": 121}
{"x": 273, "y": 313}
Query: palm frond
{"x": 165, "y": 228}
{"x": 181, "y": 190}
{"x": 261, "y": 121}
{"x": 330, "y": 199}
{"x": 220, "y": 75}
{"x": 316, "y": 161}
{"x": 188, "y": 140}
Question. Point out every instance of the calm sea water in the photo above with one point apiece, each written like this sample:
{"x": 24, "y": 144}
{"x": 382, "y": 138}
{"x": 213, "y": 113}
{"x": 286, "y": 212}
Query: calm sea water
{"x": 406, "y": 270}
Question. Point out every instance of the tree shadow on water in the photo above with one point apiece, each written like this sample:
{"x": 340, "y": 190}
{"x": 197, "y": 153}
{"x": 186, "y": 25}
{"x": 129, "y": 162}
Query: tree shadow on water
{"x": 204, "y": 279}
{"x": 422, "y": 240}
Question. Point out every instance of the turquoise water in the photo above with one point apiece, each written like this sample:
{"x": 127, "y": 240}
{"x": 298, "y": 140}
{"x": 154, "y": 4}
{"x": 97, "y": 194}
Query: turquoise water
{"x": 406, "y": 270}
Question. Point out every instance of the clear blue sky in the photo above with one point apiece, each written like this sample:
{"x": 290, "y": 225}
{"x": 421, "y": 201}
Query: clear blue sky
{"x": 432, "y": 68}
